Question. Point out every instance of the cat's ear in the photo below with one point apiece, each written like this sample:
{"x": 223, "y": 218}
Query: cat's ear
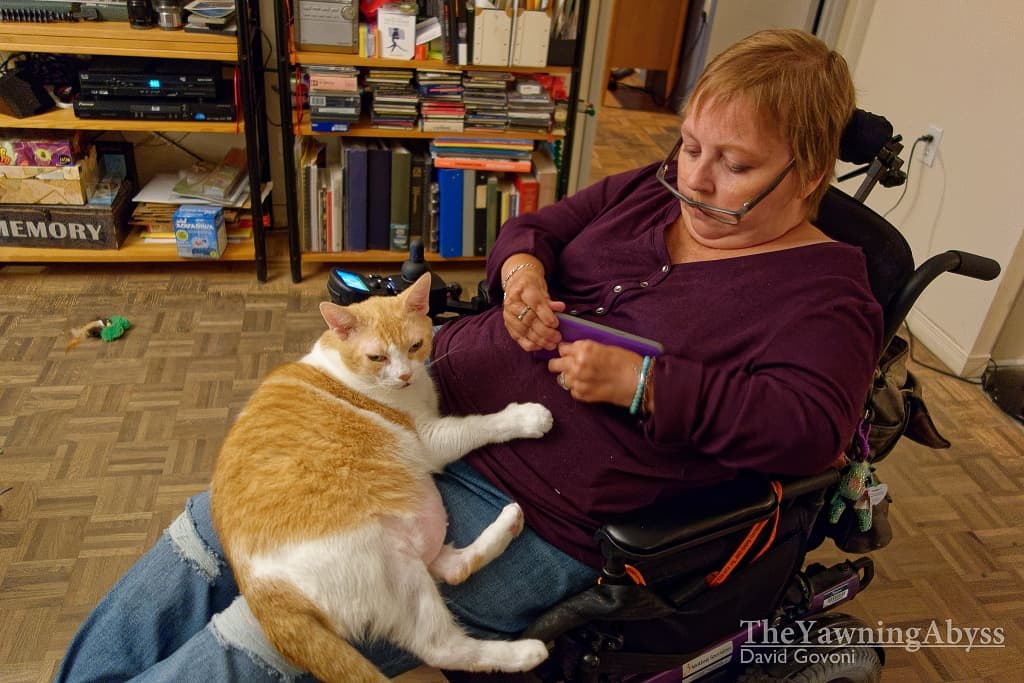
{"x": 417, "y": 296}
{"x": 338, "y": 318}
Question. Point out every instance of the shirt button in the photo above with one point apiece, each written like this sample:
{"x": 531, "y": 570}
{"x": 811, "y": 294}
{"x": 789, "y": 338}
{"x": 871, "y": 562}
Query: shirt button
{"x": 644, "y": 283}
{"x": 600, "y": 310}
{"x": 617, "y": 288}
{"x": 664, "y": 269}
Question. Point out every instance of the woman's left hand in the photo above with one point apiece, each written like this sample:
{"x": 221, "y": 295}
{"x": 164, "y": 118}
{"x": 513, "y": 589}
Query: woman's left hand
{"x": 597, "y": 373}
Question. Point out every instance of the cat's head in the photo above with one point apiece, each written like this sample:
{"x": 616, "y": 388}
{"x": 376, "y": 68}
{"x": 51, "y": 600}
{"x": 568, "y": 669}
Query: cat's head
{"x": 385, "y": 339}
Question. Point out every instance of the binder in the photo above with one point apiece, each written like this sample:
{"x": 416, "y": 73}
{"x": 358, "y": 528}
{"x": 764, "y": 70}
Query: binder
{"x": 530, "y": 39}
{"x": 401, "y": 182}
{"x": 449, "y": 228}
{"x": 355, "y": 154}
{"x": 378, "y": 202}
{"x": 492, "y": 35}
{"x": 468, "y": 209}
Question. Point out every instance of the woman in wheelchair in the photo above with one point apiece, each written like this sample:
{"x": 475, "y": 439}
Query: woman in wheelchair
{"x": 770, "y": 334}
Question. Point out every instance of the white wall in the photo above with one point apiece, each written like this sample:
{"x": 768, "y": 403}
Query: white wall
{"x": 955, "y": 64}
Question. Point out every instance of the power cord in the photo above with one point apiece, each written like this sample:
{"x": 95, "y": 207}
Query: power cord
{"x": 906, "y": 182}
{"x": 982, "y": 381}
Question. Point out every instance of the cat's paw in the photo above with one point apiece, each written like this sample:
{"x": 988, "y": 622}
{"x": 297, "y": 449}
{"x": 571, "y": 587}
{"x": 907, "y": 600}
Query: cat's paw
{"x": 527, "y": 655}
{"x": 512, "y": 519}
{"x": 527, "y": 420}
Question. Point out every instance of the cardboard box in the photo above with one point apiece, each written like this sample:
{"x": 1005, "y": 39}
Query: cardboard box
{"x": 67, "y": 227}
{"x": 48, "y": 184}
{"x": 199, "y": 231}
{"x": 396, "y": 24}
{"x": 59, "y": 148}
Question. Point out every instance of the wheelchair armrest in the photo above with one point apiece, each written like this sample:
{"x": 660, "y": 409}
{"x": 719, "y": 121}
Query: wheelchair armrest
{"x": 704, "y": 515}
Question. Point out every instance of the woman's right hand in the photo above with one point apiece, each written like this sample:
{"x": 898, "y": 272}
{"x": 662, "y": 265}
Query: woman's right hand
{"x": 529, "y": 312}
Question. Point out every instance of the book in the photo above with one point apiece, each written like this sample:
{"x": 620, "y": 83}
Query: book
{"x": 216, "y": 181}
{"x": 401, "y": 191}
{"x": 493, "y": 211}
{"x": 449, "y": 223}
{"x": 378, "y": 202}
{"x": 468, "y": 211}
{"x": 546, "y": 172}
{"x": 482, "y": 163}
{"x": 527, "y": 186}
{"x": 356, "y": 190}
{"x": 417, "y": 189}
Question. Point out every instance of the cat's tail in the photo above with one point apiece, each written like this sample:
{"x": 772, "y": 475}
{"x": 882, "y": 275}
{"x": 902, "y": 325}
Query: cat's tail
{"x": 300, "y": 631}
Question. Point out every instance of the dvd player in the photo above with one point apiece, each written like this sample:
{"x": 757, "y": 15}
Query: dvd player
{"x": 122, "y": 77}
{"x": 152, "y": 110}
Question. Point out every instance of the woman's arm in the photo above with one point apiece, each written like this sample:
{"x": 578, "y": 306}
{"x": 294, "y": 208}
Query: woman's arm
{"x": 791, "y": 410}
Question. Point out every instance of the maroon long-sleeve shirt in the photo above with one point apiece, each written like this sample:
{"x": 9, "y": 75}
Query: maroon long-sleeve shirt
{"x": 766, "y": 366}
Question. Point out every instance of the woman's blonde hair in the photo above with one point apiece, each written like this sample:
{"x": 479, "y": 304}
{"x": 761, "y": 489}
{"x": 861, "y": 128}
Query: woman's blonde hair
{"x": 797, "y": 86}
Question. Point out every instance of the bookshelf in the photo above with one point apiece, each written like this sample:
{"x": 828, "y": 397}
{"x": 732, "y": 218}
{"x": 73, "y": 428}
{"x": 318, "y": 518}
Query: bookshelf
{"x": 117, "y": 38}
{"x": 290, "y": 61}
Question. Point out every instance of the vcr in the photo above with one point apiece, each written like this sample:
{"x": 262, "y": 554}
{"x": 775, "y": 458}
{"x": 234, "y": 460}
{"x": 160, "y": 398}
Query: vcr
{"x": 122, "y": 77}
{"x": 153, "y": 110}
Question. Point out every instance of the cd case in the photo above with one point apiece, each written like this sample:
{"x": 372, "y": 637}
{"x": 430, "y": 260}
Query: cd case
{"x": 576, "y": 329}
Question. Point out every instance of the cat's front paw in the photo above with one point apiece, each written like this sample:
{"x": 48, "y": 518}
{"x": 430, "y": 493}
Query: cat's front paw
{"x": 527, "y": 420}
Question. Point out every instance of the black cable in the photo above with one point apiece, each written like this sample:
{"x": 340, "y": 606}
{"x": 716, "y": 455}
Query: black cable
{"x": 990, "y": 366}
{"x": 180, "y": 146}
{"x": 906, "y": 181}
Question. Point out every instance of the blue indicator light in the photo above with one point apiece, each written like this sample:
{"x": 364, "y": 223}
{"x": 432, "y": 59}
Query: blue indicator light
{"x": 154, "y": 83}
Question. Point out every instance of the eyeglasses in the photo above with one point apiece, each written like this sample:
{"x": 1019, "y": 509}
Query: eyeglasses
{"x": 721, "y": 215}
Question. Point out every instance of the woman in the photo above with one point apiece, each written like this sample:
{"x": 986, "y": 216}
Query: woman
{"x": 770, "y": 334}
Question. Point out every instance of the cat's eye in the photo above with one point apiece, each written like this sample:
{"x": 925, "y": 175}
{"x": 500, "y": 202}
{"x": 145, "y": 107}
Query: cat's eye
{"x": 416, "y": 347}
{"x": 377, "y": 357}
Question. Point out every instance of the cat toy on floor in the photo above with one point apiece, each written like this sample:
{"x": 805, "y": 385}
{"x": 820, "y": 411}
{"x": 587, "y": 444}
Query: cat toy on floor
{"x": 107, "y": 329}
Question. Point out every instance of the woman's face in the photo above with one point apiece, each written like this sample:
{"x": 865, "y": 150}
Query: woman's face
{"x": 729, "y": 157}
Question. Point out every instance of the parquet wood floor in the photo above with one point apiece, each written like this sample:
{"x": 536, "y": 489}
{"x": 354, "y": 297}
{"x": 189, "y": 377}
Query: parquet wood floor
{"x": 101, "y": 446}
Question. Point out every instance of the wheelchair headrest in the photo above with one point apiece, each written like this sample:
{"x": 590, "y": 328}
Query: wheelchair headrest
{"x": 863, "y": 137}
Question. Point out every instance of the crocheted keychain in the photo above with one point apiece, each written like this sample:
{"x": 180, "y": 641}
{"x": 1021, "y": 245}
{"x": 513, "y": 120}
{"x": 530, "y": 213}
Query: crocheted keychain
{"x": 107, "y": 329}
{"x": 858, "y": 486}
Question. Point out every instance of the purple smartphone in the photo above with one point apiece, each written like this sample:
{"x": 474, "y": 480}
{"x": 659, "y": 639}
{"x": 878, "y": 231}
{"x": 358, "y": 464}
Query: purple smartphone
{"x": 575, "y": 329}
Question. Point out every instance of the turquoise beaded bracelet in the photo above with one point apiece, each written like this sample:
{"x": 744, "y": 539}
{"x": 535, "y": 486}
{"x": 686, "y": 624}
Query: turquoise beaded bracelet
{"x": 641, "y": 383}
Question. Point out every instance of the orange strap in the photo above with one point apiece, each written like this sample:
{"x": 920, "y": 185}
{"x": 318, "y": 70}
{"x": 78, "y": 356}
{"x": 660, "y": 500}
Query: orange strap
{"x": 717, "y": 578}
{"x": 633, "y": 573}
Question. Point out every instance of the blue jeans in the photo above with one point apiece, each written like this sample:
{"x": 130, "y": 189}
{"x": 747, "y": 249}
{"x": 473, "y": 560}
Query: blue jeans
{"x": 176, "y": 616}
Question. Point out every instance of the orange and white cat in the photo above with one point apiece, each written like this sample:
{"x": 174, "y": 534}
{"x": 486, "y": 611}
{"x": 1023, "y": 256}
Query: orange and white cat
{"x": 324, "y": 501}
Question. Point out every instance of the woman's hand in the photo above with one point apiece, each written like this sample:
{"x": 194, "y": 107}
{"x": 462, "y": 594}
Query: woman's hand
{"x": 594, "y": 372}
{"x": 529, "y": 312}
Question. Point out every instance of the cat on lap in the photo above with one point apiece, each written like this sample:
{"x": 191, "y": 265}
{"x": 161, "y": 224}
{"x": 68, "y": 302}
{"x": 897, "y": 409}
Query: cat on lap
{"x": 324, "y": 499}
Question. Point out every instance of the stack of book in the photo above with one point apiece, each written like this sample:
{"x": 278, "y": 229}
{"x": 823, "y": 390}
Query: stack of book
{"x": 482, "y": 154}
{"x": 333, "y": 97}
{"x": 441, "y": 105}
{"x": 486, "y": 100}
{"x": 211, "y": 16}
{"x": 530, "y": 107}
{"x": 395, "y": 99}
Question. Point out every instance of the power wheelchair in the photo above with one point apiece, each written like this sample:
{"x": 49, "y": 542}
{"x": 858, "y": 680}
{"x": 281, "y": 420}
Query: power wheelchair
{"x": 659, "y": 613}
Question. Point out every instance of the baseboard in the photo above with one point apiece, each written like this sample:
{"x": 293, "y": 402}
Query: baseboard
{"x": 944, "y": 347}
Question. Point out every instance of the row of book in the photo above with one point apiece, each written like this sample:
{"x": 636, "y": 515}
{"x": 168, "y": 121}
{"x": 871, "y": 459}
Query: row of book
{"x": 435, "y": 100}
{"x": 456, "y": 211}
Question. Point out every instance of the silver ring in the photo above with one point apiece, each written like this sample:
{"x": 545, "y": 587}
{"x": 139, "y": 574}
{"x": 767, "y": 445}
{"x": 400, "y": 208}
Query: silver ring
{"x": 522, "y": 313}
{"x": 561, "y": 381}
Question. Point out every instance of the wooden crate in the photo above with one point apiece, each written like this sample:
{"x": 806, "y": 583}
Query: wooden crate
{"x": 53, "y": 226}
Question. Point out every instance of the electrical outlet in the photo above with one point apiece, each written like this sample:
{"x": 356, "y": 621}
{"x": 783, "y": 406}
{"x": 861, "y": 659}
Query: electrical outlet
{"x": 931, "y": 148}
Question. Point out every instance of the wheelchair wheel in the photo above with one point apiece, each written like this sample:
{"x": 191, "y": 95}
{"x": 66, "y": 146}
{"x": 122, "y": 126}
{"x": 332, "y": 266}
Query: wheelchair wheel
{"x": 845, "y": 665}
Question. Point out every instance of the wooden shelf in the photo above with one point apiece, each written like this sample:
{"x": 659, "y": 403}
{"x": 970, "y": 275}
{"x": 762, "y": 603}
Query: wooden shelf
{"x": 364, "y": 130}
{"x": 308, "y": 57}
{"x": 134, "y": 250}
{"x": 115, "y": 38}
{"x": 66, "y": 119}
{"x": 381, "y": 256}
